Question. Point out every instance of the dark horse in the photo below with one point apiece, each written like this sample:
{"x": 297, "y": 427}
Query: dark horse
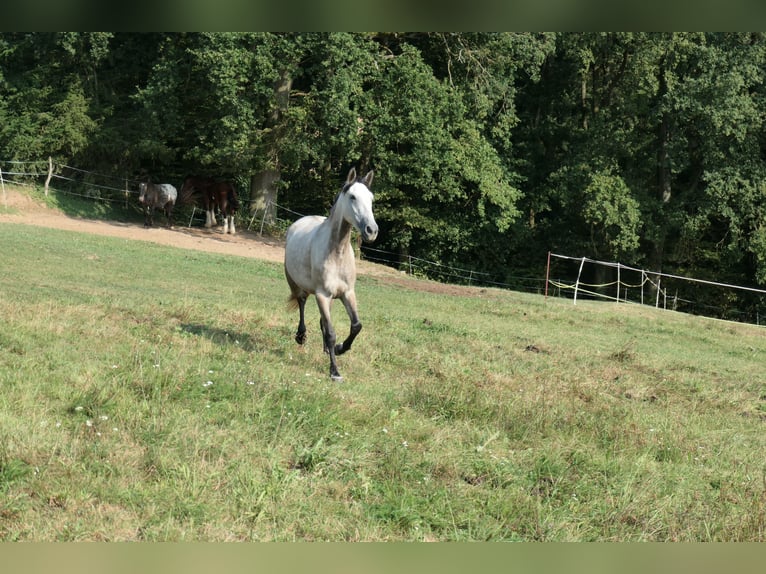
{"x": 157, "y": 196}
{"x": 211, "y": 194}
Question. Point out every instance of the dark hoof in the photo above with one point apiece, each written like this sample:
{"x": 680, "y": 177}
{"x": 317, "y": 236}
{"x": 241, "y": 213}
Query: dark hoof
{"x": 340, "y": 349}
{"x": 300, "y": 338}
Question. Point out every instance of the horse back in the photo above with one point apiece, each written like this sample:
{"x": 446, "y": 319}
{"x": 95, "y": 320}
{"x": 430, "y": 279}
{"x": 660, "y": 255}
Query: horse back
{"x": 167, "y": 193}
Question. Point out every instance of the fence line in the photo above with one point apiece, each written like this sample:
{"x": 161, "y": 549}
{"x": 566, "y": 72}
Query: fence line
{"x": 660, "y": 274}
{"x": 662, "y": 298}
{"x": 411, "y": 263}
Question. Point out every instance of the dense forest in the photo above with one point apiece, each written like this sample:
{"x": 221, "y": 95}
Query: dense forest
{"x": 490, "y": 149}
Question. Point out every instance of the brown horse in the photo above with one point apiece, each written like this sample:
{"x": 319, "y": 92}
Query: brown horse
{"x": 211, "y": 194}
{"x": 225, "y": 197}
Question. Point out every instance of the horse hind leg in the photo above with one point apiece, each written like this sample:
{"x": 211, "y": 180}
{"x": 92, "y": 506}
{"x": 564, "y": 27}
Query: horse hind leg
{"x": 298, "y": 299}
{"x": 169, "y": 215}
{"x": 300, "y": 334}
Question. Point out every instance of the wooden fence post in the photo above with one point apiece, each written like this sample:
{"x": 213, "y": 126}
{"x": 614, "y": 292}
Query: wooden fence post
{"x": 50, "y": 174}
{"x": 577, "y": 283}
{"x": 547, "y": 274}
{"x": 2, "y": 183}
{"x": 618, "y": 283}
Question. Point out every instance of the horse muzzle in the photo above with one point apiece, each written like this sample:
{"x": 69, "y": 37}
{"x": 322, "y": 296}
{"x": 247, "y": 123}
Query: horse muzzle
{"x": 369, "y": 232}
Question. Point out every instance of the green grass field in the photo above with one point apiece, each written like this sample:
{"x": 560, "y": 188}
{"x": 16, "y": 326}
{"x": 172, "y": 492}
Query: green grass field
{"x": 152, "y": 393}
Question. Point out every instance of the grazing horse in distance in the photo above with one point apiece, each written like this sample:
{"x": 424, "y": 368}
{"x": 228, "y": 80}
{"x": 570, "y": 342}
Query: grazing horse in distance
{"x": 225, "y": 197}
{"x": 319, "y": 260}
{"x": 195, "y": 189}
{"x": 157, "y": 196}
{"x": 209, "y": 194}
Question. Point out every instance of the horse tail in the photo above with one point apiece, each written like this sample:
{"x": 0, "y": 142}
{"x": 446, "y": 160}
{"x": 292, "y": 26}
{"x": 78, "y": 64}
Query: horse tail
{"x": 292, "y": 302}
{"x": 189, "y": 195}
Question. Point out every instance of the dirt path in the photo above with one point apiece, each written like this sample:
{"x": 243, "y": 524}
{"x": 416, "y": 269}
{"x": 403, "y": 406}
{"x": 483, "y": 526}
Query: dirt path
{"x": 19, "y": 208}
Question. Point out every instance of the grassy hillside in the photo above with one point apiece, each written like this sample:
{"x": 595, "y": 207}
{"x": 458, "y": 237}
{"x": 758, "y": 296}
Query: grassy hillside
{"x": 151, "y": 393}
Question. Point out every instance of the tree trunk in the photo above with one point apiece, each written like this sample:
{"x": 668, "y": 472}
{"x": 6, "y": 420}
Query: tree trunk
{"x": 664, "y": 175}
{"x": 263, "y": 191}
{"x": 263, "y": 185}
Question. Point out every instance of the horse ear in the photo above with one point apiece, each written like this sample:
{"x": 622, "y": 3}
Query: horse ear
{"x": 351, "y": 176}
{"x": 368, "y": 178}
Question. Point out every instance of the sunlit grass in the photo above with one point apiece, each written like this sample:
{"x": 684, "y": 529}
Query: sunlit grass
{"x": 151, "y": 393}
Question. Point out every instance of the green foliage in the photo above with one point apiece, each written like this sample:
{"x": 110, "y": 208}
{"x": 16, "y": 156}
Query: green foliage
{"x": 614, "y": 215}
{"x": 642, "y": 146}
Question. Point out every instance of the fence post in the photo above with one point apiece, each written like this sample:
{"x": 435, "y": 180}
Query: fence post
{"x": 618, "y": 283}
{"x": 659, "y": 285}
{"x": 263, "y": 221}
{"x": 547, "y": 274}
{"x": 50, "y": 174}
{"x": 5, "y": 199}
{"x": 577, "y": 283}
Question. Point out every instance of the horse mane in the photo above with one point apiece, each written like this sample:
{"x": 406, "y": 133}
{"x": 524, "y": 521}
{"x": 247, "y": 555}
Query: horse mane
{"x": 343, "y": 190}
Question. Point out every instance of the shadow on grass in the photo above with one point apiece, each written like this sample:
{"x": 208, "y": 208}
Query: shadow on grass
{"x": 223, "y": 337}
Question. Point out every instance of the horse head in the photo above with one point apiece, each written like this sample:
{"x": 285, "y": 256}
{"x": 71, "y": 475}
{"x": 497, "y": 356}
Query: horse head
{"x": 357, "y": 204}
{"x": 142, "y": 192}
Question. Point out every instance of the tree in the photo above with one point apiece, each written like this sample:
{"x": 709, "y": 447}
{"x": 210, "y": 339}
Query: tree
{"x": 46, "y": 93}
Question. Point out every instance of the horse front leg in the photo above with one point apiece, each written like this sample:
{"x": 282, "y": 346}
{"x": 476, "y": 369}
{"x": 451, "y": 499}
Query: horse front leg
{"x": 328, "y": 333}
{"x": 349, "y": 302}
{"x": 228, "y": 224}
